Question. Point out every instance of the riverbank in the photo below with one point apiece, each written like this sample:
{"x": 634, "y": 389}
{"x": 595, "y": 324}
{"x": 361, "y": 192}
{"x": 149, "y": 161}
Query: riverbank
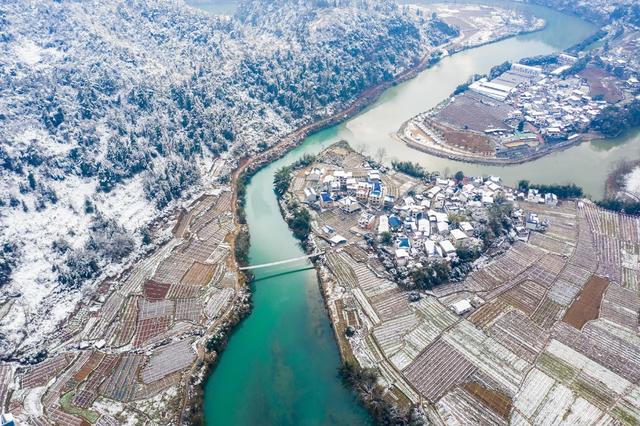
{"x": 192, "y": 411}
{"x": 616, "y": 185}
{"x": 557, "y": 147}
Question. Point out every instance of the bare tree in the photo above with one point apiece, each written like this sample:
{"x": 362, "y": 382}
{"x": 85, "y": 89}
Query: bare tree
{"x": 361, "y": 148}
{"x": 381, "y": 155}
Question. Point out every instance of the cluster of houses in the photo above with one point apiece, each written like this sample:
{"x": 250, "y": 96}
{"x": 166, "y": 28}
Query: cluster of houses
{"x": 558, "y": 107}
{"x": 555, "y": 106}
{"x": 344, "y": 190}
{"x": 435, "y": 223}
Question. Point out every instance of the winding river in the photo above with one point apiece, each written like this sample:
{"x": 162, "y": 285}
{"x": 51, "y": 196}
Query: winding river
{"x": 280, "y": 366}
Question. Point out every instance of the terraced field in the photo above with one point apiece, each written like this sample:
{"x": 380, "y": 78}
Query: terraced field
{"x": 552, "y": 339}
{"x": 136, "y": 343}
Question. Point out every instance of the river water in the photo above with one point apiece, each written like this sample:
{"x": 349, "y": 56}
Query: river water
{"x": 280, "y": 367}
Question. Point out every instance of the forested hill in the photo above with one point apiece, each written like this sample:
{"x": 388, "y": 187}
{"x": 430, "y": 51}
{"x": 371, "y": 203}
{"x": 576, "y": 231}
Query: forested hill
{"x": 110, "y": 109}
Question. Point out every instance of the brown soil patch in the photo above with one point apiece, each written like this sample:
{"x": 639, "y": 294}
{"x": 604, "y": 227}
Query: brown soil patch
{"x": 601, "y": 83}
{"x": 182, "y": 223}
{"x": 88, "y": 367}
{"x": 154, "y": 290}
{"x": 466, "y": 140}
{"x": 586, "y": 306}
{"x": 488, "y": 312}
{"x": 497, "y": 401}
{"x": 198, "y": 274}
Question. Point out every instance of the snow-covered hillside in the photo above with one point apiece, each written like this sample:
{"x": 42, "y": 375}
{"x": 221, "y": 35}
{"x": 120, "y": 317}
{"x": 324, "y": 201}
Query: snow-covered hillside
{"x": 110, "y": 109}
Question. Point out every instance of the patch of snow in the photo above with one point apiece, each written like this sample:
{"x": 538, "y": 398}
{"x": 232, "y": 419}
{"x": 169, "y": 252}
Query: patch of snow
{"x": 632, "y": 182}
{"x": 127, "y": 205}
{"x": 28, "y": 52}
{"x": 33, "y": 401}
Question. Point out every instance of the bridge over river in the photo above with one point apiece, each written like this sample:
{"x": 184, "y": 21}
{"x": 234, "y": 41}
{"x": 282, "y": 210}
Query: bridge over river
{"x": 281, "y": 262}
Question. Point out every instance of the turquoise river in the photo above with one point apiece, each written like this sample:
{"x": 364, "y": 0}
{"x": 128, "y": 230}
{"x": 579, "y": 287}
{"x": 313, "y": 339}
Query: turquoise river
{"x": 281, "y": 364}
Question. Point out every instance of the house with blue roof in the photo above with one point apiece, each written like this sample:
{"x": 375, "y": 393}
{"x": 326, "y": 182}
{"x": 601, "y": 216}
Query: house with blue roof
{"x": 395, "y": 223}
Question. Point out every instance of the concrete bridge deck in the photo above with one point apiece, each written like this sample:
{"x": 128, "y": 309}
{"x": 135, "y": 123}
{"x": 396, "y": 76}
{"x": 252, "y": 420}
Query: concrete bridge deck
{"x": 280, "y": 262}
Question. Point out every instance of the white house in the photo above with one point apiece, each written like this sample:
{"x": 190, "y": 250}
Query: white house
{"x": 458, "y": 235}
{"x": 443, "y": 228}
{"x": 467, "y": 228}
{"x": 315, "y": 175}
{"x": 402, "y": 256}
{"x": 461, "y": 307}
{"x": 430, "y": 248}
{"x": 310, "y": 195}
{"x": 349, "y": 204}
{"x": 383, "y": 224}
{"x": 448, "y": 249}
{"x": 424, "y": 226}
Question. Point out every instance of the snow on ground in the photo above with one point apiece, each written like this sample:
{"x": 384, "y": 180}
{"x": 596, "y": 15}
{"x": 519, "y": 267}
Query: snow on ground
{"x": 33, "y": 401}
{"x": 127, "y": 205}
{"x": 34, "y": 279}
{"x": 28, "y": 52}
{"x": 632, "y": 182}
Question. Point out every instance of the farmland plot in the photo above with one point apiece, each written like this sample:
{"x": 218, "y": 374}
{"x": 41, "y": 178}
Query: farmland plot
{"x": 127, "y": 323}
{"x": 46, "y": 370}
{"x": 609, "y": 352}
{"x": 460, "y": 407}
{"x": 149, "y": 309}
{"x": 188, "y": 310}
{"x": 184, "y": 291}
{"x": 518, "y": 333}
{"x": 587, "y": 306}
{"x": 171, "y": 358}
{"x": 551, "y": 244}
{"x": 390, "y": 304}
{"x": 147, "y": 391}
{"x": 172, "y": 269}
{"x": 621, "y": 306}
{"x": 437, "y": 369}
{"x": 489, "y": 312}
{"x": 87, "y": 368}
{"x": 145, "y": 270}
{"x": 122, "y": 383}
{"x": 62, "y": 418}
{"x": 194, "y": 250}
{"x": 488, "y": 355}
{"x": 150, "y": 327}
{"x": 546, "y": 269}
{"x": 389, "y": 335}
{"x": 6, "y": 377}
{"x": 107, "y": 314}
{"x": 526, "y": 296}
{"x": 370, "y": 284}
{"x": 218, "y": 300}
{"x": 106, "y": 367}
{"x": 199, "y": 274}
{"x": 154, "y": 290}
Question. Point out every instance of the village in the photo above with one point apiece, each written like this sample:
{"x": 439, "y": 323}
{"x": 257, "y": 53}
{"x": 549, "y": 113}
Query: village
{"x": 521, "y": 111}
{"x": 541, "y": 327}
{"x": 417, "y": 220}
